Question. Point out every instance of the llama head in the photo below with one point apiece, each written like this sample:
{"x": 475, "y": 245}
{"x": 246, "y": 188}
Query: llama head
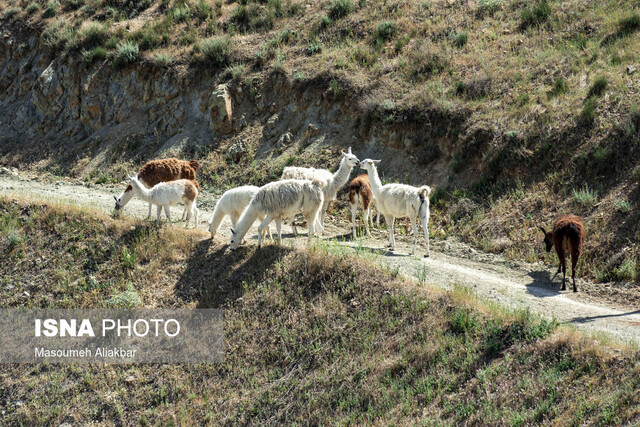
{"x": 123, "y": 198}
{"x": 235, "y": 241}
{"x": 352, "y": 161}
{"x": 368, "y": 164}
{"x": 548, "y": 239}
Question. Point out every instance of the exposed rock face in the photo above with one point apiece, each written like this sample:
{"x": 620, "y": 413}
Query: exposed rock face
{"x": 57, "y": 107}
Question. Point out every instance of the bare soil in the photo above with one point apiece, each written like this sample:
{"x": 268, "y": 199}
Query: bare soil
{"x": 600, "y": 308}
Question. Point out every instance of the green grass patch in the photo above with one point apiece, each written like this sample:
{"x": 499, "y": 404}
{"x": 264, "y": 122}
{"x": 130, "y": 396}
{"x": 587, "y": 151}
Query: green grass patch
{"x": 126, "y": 53}
{"x": 216, "y": 50}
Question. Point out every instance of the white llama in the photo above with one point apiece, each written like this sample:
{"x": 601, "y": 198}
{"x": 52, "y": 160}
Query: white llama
{"x": 233, "y": 203}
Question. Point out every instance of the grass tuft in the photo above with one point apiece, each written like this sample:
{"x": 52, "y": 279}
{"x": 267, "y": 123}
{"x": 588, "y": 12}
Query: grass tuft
{"x": 536, "y": 15}
{"x": 340, "y": 8}
{"x": 216, "y": 50}
{"x": 598, "y": 87}
{"x": 585, "y": 197}
{"x": 126, "y": 53}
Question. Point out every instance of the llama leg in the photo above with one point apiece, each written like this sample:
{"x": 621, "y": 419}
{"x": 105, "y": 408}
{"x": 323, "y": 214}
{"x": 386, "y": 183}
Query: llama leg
{"x": 312, "y": 226}
{"x": 414, "y": 227}
{"x": 574, "y": 262}
{"x": 188, "y": 209}
{"x": 267, "y": 220}
{"x": 279, "y": 230}
{"x": 196, "y": 213}
{"x": 158, "y": 211}
{"x": 563, "y": 265}
{"x": 390, "y": 220}
{"x": 354, "y": 209}
{"x": 167, "y": 212}
{"x": 293, "y": 227}
{"x": 184, "y": 213}
{"x": 149, "y": 214}
{"x": 366, "y": 214}
{"x": 425, "y": 225}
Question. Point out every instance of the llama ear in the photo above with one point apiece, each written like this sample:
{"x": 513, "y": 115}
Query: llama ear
{"x": 115, "y": 198}
{"x": 349, "y": 150}
{"x": 544, "y": 231}
{"x": 375, "y": 161}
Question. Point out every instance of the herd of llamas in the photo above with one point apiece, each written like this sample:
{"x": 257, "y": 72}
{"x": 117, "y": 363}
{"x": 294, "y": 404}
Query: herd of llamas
{"x": 167, "y": 182}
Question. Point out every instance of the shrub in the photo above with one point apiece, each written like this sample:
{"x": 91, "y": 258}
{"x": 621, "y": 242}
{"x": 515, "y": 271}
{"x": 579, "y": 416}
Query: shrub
{"x": 626, "y": 271}
{"x": 340, "y": 8}
{"x": 598, "y": 87}
{"x": 126, "y": 53}
{"x": 58, "y": 33}
{"x": 559, "y": 87}
{"x": 623, "y": 206}
{"x": 73, "y": 4}
{"x": 127, "y": 299}
{"x": 162, "y": 59}
{"x": 235, "y": 71}
{"x": 585, "y": 197}
{"x": 93, "y": 34}
{"x": 216, "y": 50}
{"x": 51, "y": 9}
{"x": 460, "y": 39}
{"x": 202, "y": 10}
{"x": 629, "y": 24}
{"x": 314, "y": 47}
{"x": 324, "y": 22}
{"x": 276, "y": 7}
{"x": 384, "y": 31}
{"x": 589, "y": 110}
{"x": 180, "y": 13}
{"x": 32, "y": 8}
{"x": 489, "y": 6}
{"x": 10, "y": 12}
{"x": 424, "y": 62}
{"x": 97, "y": 53}
{"x": 536, "y": 15}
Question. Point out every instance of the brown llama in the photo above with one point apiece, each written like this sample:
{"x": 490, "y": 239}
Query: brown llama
{"x": 567, "y": 237}
{"x": 361, "y": 196}
{"x": 156, "y": 171}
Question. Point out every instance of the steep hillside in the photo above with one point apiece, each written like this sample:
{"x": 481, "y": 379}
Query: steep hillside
{"x": 311, "y": 336}
{"x": 514, "y": 110}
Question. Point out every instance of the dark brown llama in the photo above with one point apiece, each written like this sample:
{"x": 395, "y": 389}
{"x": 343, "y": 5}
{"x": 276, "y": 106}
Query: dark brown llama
{"x": 567, "y": 237}
{"x": 361, "y": 196}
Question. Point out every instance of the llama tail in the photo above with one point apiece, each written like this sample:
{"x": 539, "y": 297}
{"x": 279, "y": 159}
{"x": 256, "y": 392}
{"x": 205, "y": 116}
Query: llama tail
{"x": 423, "y": 193}
{"x": 318, "y": 183}
{"x": 216, "y": 220}
{"x": 194, "y": 164}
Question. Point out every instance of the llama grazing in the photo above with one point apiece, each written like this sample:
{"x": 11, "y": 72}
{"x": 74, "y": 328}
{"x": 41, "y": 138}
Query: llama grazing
{"x": 278, "y": 200}
{"x": 332, "y": 182}
{"x": 360, "y": 196}
{"x": 567, "y": 236}
{"x": 233, "y": 203}
{"x": 156, "y": 171}
{"x": 400, "y": 200}
{"x": 165, "y": 194}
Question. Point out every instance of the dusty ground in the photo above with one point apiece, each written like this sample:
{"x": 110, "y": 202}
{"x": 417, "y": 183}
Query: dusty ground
{"x": 597, "y": 308}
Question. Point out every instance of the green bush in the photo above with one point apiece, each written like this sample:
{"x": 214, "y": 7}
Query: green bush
{"x": 162, "y": 59}
{"x": 216, "y": 50}
{"x": 559, "y": 87}
{"x": 97, "y": 53}
{"x": 51, "y": 9}
{"x": 598, "y": 87}
{"x": 340, "y": 8}
{"x": 10, "y": 12}
{"x": 384, "y": 31}
{"x": 629, "y": 24}
{"x": 202, "y": 10}
{"x": 180, "y": 13}
{"x": 126, "y": 53}
{"x": 460, "y": 39}
{"x": 93, "y": 34}
{"x": 314, "y": 47}
{"x": 33, "y": 8}
{"x": 58, "y": 33}
{"x": 589, "y": 110}
{"x": 489, "y": 6}
{"x": 535, "y": 16}
{"x": 585, "y": 197}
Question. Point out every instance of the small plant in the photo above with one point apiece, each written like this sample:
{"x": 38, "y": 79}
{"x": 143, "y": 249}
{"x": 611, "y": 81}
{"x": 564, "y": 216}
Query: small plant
{"x": 589, "y": 110}
{"x": 384, "y": 31}
{"x": 51, "y": 9}
{"x": 324, "y": 22}
{"x": 126, "y": 299}
{"x": 463, "y": 321}
{"x": 235, "y": 71}
{"x": 314, "y": 47}
{"x": 95, "y": 54}
{"x": 10, "y": 12}
{"x": 162, "y": 59}
{"x": 93, "y": 34}
{"x": 598, "y": 87}
{"x": 626, "y": 271}
{"x": 585, "y": 197}
{"x": 58, "y": 33}
{"x": 623, "y": 206}
{"x": 535, "y": 16}
{"x": 340, "y": 8}
{"x": 629, "y": 24}
{"x": 489, "y": 6}
{"x": 202, "y": 10}
{"x": 460, "y": 39}
{"x": 216, "y": 50}
{"x": 126, "y": 53}
{"x": 180, "y": 13}
{"x": 559, "y": 87}
{"x": 32, "y": 8}
{"x": 128, "y": 259}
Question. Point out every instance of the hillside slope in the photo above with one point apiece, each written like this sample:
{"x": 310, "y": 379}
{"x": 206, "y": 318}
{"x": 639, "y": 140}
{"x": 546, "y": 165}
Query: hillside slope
{"x": 515, "y": 111}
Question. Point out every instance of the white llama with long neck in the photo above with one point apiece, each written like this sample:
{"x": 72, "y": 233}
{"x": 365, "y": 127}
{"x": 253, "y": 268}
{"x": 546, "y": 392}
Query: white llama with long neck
{"x": 399, "y": 201}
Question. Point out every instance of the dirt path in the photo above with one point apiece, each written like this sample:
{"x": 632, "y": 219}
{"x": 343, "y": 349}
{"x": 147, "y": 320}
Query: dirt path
{"x": 516, "y": 285}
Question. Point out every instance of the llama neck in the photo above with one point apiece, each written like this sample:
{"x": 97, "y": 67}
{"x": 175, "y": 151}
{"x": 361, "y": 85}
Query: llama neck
{"x": 374, "y": 179}
{"x": 140, "y": 190}
{"x": 246, "y": 221}
{"x": 341, "y": 176}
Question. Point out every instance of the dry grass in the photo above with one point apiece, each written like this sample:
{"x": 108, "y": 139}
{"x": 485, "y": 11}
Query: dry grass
{"x": 311, "y": 337}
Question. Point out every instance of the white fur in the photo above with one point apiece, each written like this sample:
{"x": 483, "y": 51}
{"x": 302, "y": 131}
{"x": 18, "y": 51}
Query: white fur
{"x": 233, "y": 203}
{"x": 165, "y": 194}
{"x": 398, "y": 201}
{"x": 126, "y": 196}
{"x": 332, "y": 182}
{"x": 278, "y": 200}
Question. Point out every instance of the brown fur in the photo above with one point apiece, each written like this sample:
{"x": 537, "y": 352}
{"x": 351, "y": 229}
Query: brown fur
{"x": 191, "y": 189}
{"x": 567, "y": 236}
{"x": 360, "y": 184}
{"x": 163, "y": 170}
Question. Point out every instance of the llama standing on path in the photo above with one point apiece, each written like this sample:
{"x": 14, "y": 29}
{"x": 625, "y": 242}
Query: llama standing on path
{"x": 567, "y": 236}
{"x": 156, "y": 171}
{"x": 398, "y": 201}
{"x": 361, "y": 196}
{"x": 278, "y": 200}
{"x": 332, "y": 182}
{"x": 165, "y": 194}
{"x": 233, "y": 203}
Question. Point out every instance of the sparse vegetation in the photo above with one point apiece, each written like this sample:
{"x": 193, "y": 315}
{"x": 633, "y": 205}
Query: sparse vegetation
{"x": 126, "y": 53}
{"x": 598, "y": 87}
{"x": 340, "y": 8}
{"x": 216, "y": 50}
{"x": 535, "y": 15}
{"x": 585, "y": 197}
